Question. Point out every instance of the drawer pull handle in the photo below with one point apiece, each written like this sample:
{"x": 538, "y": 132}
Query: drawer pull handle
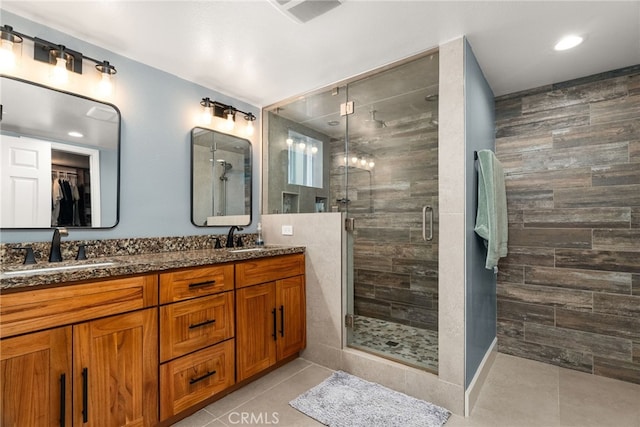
{"x": 207, "y": 375}
{"x": 195, "y": 285}
{"x": 85, "y": 395}
{"x": 63, "y": 392}
{"x": 205, "y": 323}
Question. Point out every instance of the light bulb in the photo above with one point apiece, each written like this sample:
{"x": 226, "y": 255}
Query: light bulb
{"x": 229, "y": 125}
{"x": 206, "y": 116}
{"x": 59, "y": 73}
{"x": 354, "y": 159}
{"x": 371, "y": 164}
{"x": 363, "y": 162}
{"x": 301, "y": 145}
{"x": 314, "y": 150}
{"x": 289, "y": 141}
{"x": 7, "y": 57}
{"x": 105, "y": 86}
{"x": 344, "y": 159}
{"x": 250, "y": 129}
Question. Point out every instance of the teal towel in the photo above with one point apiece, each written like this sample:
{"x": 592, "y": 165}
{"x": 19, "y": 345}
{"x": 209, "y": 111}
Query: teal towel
{"x": 491, "y": 219}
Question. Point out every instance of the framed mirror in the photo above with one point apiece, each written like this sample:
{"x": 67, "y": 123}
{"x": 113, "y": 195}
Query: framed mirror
{"x": 59, "y": 158}
{"x": 220, "y": 179}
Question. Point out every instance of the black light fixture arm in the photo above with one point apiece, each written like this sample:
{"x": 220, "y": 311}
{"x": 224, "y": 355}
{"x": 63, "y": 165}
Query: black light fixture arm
{"x": 221, "y": 110}
{"x": 42, "y": 49}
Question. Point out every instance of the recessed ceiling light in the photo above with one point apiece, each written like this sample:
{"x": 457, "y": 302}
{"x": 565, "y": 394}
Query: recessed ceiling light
{"x": 75, "y": 134}
{"x": 568, "y": 42}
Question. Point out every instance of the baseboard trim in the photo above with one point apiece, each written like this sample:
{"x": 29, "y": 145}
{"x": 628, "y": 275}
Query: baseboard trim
{"x": 473, "y": 391}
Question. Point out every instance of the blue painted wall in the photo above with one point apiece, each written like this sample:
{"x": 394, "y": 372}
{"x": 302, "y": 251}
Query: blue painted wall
{"x": 158, "y": 112}
{"x": 480, "y": 294}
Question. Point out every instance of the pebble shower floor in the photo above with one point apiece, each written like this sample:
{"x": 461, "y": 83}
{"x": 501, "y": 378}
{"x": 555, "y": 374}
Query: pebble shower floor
{"x": 408, "y": 344}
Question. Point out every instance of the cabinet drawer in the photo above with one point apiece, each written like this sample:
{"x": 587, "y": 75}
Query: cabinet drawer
{"x": 196, "y": 377}
{"x": 32, "y": 310}
{"x": 195, "y": 282}
{"x": 191, "y": 325}
{"x": 264, "y": 270}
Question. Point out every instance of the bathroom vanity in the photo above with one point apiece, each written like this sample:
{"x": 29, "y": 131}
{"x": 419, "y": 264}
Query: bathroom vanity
{"x": 169, "y": 334}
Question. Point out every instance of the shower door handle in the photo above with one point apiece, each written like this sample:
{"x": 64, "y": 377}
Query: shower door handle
{"x": 424, "y": 223}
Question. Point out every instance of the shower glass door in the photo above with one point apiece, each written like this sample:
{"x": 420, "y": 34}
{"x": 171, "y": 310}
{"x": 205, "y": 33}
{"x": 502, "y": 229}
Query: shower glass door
{"x": 390, "y": 160}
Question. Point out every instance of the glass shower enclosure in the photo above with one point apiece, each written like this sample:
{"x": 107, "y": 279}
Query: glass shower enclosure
{"x": 368, "y": 147}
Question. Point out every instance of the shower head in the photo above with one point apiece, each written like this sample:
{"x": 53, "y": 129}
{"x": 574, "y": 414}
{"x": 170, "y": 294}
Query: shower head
{"x": 226, "y": 165}
{"x": 373, "y": 123}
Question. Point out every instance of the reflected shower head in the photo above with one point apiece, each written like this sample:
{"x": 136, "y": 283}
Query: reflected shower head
{"x": 226, "y": 165}
{"x": 373, "y": 123}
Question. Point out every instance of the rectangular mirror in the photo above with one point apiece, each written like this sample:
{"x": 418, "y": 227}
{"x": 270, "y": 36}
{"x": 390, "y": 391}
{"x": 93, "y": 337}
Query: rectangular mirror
{"x": 59, "y": 158}
{"x": 220, "y": 179}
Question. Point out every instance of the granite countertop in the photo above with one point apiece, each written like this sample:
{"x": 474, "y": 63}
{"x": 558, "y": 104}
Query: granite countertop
{"x": 44, "y": 273}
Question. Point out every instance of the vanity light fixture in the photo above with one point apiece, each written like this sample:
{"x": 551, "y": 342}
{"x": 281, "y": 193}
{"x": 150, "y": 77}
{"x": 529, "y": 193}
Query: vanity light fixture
{"x": 207, "y": 111}
{"x": 10, "y": 48}
{"x": 62, "y": 59}
{"x": 358, "y": 161}
{"x": 250, "y": 118}
{"x": 231, "y": 118}
{"x": 107, "y": 71}
{"x": 212, "y": 109}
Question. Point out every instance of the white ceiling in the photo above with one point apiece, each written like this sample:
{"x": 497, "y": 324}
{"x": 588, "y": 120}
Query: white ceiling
{"x": 251, "y": 51}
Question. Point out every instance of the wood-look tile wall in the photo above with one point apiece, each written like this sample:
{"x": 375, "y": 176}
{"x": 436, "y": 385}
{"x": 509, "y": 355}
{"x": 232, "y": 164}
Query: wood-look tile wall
{"x": 569, "y": 290}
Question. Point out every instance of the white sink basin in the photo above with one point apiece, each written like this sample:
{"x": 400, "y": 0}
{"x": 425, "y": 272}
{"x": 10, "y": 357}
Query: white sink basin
{"x": 61, "y": 268}
{"x": 246, "y": 250}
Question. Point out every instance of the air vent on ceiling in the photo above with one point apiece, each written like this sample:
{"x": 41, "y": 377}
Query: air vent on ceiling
{"x": 303, "y": 11}
{"x": 103, "y": 114}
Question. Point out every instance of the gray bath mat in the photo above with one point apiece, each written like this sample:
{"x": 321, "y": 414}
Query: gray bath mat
{"x": 343, "y": 400}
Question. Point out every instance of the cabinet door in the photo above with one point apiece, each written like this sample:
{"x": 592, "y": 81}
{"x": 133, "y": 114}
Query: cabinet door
{"x": 36, "y": 379}
{"x": 256, "y": 329}
{"x": 291, "y": 305}
{"x": 116, "y": 370}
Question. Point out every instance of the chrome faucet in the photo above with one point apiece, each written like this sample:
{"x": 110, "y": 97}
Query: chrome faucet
{"x": 55, "y": 254}
{"x": 230, "y": 235}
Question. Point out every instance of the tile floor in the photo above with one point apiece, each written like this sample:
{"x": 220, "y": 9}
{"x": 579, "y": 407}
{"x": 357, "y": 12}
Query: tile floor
{"x": 407, "y": 344}
{"x": 517, "y": 393}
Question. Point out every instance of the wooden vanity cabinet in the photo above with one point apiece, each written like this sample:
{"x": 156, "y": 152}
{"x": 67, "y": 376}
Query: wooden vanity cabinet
{"x": 197, "y": 346}
{"x": 146, "y": 350}
{"x": 113, "y": 380}
{"x": 270, "y": 312}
